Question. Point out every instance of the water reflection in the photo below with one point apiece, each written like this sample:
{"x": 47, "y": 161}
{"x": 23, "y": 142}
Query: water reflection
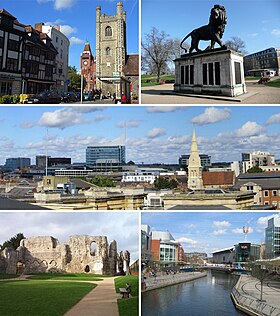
{"x": 206, "y": 296}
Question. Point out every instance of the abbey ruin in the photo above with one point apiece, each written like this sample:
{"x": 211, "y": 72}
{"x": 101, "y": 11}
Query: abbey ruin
{"x": 82, "y": 253}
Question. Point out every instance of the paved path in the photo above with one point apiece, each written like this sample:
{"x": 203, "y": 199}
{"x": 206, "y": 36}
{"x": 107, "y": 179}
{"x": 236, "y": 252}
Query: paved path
{"x": 101, "y": 301}
{"x": 260, "y": 94}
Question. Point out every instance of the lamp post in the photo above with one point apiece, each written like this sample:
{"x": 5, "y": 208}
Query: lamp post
{"x": 82, "y": 81}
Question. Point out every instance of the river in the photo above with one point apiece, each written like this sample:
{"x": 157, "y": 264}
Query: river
{"x": 208, "y": 296}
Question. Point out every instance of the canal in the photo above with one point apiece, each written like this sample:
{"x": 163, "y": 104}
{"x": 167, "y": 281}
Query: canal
{"x": 208, "y": 296}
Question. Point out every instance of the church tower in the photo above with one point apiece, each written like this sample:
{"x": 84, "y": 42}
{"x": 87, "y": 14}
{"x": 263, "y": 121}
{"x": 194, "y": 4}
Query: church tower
{"x": 110, "y": 49}
{"x": 195, "y": 181}
{"x": 88, "y": 68}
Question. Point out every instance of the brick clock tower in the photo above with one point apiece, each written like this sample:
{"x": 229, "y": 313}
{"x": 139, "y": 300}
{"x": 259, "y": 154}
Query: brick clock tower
{"x": 88, "y": 68}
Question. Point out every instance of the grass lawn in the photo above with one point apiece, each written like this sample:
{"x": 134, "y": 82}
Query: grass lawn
{"x": 40, "y": 297}
{"x": 252, "y": 78}
{"x": 67, "y": 276}
{"x": 128, "y": 306}
{"x": 274, "y": 83}
{"x": 8, "y": 276}
{"x": 152, "y": 79}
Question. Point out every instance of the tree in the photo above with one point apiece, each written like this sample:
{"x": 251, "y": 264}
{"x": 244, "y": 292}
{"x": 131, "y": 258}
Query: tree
{"x": 75, "y": 79}
{"x": 237, "y": 44}
{"x": 163, "y": 183}
{"x": 261, "y": 273}
{"x": 158, "y": 49}
{"x": 255, "y": 169}
{"x": 13, "y": 242}
{"x": 103, "y": 182}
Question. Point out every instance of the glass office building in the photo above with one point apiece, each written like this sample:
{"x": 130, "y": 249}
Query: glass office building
{"x": 108, "y": 154}
{"x": 272, "y": 238}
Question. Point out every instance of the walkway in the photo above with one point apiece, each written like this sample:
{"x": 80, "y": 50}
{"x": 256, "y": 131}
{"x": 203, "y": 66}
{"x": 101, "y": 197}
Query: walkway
{"x": 101, "y": 301}
{"x": 247, "y": 294}
{"x": 166, "y": 280}
{"x": 258, "y": 94}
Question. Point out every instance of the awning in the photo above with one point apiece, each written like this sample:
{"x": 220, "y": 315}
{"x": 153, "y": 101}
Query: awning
{"x": 40, "y": 81}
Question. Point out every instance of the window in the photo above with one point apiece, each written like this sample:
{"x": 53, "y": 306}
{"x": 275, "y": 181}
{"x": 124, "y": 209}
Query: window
{"x": 266, "y": 193}
{"x": 250, "y": 188}
{"x": 5, "y": 87}
{"x": 56, "y": 39}
{"x": 266, "y": 203}
{"x": 1, "y": 41}
{"x": 61, "y": 42}
{"x": 13, "y": 45}
{"x": 237, "y": 70}
{"x": 274, "y": 193}
{"x": 108, "y": 31}
{"x": 108, "y": 51}
{"x": 12, "y": 64}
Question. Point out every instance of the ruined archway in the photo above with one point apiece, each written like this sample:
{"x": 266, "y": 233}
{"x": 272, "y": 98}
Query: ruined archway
{"x": 87, "y": 268}
{"x": 93, "y": 249}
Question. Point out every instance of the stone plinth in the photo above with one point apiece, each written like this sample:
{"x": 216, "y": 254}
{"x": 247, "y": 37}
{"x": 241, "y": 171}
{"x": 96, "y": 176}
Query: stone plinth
{"x": 213, "y": 72}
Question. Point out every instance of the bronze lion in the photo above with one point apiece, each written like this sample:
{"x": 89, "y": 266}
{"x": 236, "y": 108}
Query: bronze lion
{"x": 213, "y": 31}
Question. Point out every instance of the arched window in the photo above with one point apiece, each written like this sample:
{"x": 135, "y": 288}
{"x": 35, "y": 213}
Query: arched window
{"x": 108, "y": 51}
{"x": 108, "y": 31}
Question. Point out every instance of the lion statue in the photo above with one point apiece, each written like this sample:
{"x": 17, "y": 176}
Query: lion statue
{"x": 213, "y": 31}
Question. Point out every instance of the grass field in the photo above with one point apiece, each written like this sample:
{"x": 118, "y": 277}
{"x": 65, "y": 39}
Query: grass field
{"x": 252, "y": 78}
{"x": 128, "y": 306}
{"x": 8, "y": 276}
{"x": 67, "y": 276}
{"x": 274, "y": 83}
{"x": 153, "y": 78}
{"x": 40, "y": 297}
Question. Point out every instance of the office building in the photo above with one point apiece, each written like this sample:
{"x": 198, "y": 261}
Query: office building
{"x": 17, "y": 163}
{"x": 105, "y": 155}
{"x": 257, "y": 159}
{"x": 272, "y": 238}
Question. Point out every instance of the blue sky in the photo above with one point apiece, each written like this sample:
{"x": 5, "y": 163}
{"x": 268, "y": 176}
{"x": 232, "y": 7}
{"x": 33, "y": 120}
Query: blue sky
{"x": 78, "y": 19}
{"x": 124, "y": 229}
{"x": 256, "y": 22}
{"x": 210, "y": 231}
{"x": 153, "y": 134}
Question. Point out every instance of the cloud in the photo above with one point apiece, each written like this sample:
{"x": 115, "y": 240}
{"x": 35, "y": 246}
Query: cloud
{"x": 240, "y": 230}
{"x": 273, "y": 119}
{"x": 63, "y": 4}
{"x": 76, "y": 41}
{"x": 67, "y": 29}
{"x": 221, "y": 223}
{"x": 262, "y": 221}
{"x": 249, "y": 129}
{"x": 219, "y": 232}
{"x": 129, "y": 123}
{"x": 163, "y": 109}
{"x": 59, "y": 4}
{"x": 99, "y": 118}
{"x": 61, "y": 118}
{"x": 212, "y": 115}
{"x": 275, "y": 32}
{"x": 27, "y": 124}
{"x": 186, "y": 240}
{"x": 253, "y": 34}
{"x": 123, "y": 229}
{"x": 156, "y": 132}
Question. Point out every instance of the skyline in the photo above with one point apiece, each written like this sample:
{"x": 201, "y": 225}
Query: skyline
{"x": 210, "y": 231}
{"x": 255, "y": 22}
{"x": 153, "y": 134}
{"x": 123, "y": 229}
{"x": 77, "y": 18}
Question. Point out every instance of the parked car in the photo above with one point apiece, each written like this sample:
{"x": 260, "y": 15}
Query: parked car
{"x": 69, "y": 97}
{"x": 44, "y": 97}
{"x": 88, "y": 96}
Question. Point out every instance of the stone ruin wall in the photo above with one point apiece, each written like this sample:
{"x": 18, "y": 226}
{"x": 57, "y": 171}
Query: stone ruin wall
{"x": 47, "y": 254}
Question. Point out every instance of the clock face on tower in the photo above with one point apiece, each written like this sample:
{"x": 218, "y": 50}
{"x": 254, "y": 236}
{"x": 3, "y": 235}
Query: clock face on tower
{"x": 85, "y": 62}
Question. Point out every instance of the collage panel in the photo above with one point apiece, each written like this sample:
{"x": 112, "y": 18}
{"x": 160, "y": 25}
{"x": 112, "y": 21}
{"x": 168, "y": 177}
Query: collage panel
{"x": 208, "y": 53}
{"x": 210, "y": 263}
{"x": 81, "y": 263}
{"x": 74, "y": 51}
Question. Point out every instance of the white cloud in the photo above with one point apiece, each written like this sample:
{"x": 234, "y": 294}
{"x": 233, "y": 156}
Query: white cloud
{"x": 123, "y": 229}
{"x": 129, "y": 123}
{"x": 99, "y": 118}
{"x": 275, "y": 32}
{"x": 221, "y": 223}
{"x": 187, "y": 240}
{"x": 156, "y": 132}
{"x": 76, "y": 41}
{"x": 262, "y": 221}
{"x": 249, "y": 129}
{"x": 253, "y": 34}
{"x": 27, "y": 124}
{"x": 219, "y": 232}
{"x": 61, "y": 118}
{"x": 63, "y": 4}
{"x": 67, "y": 29}
{"x": 240, "y": 230}
{"x": 273, "y": 119}
{"x": 212, "y": 115}
{"x": 163, "y": 109}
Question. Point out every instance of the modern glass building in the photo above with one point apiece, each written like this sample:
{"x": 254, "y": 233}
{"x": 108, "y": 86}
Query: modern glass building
{"x": 272, "y": 238}
{"x": 17, "y": 163}
{"x": 108, "y": 154}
